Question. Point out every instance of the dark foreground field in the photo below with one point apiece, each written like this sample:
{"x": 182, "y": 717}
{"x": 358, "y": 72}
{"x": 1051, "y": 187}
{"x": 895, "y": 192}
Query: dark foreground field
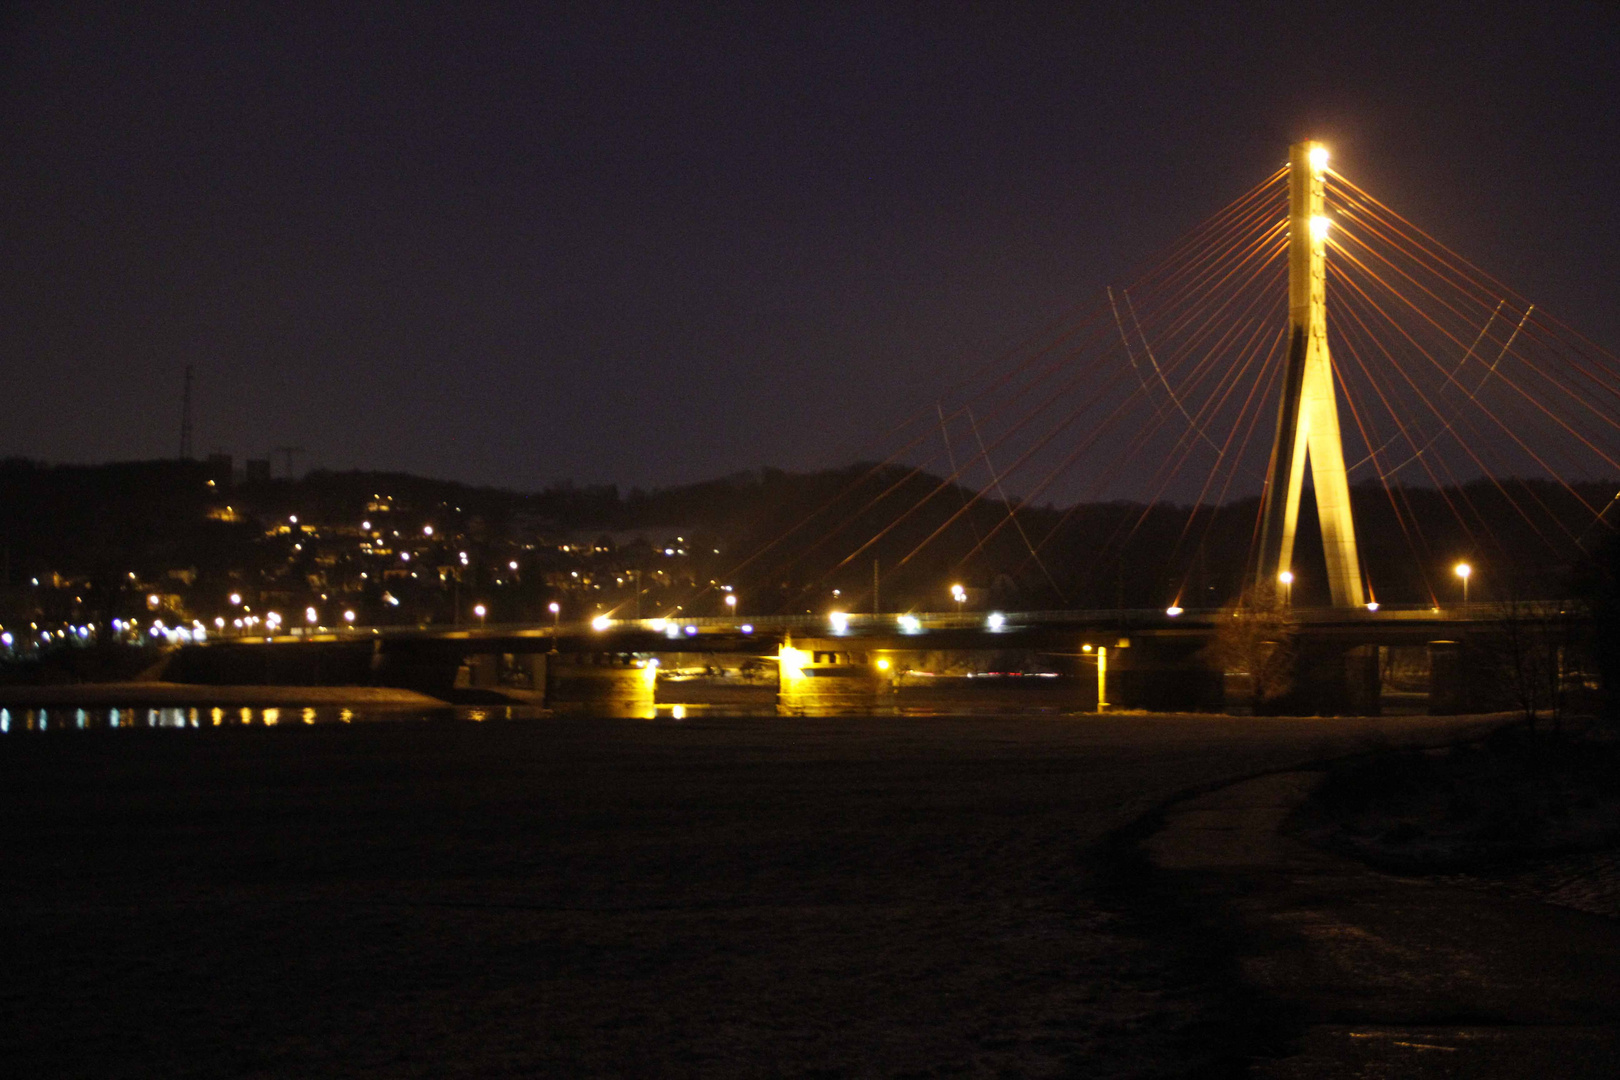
{"x": 804, "y": 897}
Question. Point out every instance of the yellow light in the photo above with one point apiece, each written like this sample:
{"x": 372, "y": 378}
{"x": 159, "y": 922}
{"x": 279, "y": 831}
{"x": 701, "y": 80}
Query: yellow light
{"x": 791, "y": 662}
{"x": 677, "y": 712}
{"x": 1286, "y": 577}
{"x": 1319, "y": 227}
{"x": 1085, "y": 648}
{"x": 1463, "y": 570}
{"x": 883, "y": 664}
{"x": 1372, "y": 605}
{"x": 601, "y": 622}
{"x": 1318, "y": 157}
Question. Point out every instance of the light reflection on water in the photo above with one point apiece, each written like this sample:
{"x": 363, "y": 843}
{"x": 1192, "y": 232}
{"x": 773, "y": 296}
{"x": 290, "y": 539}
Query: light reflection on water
{"x": 93, "y": 718}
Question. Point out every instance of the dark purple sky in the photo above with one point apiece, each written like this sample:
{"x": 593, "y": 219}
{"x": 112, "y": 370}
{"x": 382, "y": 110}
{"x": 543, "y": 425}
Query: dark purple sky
{"x": 650, "y": 244}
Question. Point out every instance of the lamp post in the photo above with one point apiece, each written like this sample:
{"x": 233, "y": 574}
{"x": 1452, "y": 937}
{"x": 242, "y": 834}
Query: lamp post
{"x": 556, "y": 616}
{"x": 731, "y": 604}
{"x": 1101, "y": 655}
{"x": 480, "y": 610}
{"x": 1464, "y": 571}
{"x": 958, "y": 594}
{"x": 1287, "y": 579}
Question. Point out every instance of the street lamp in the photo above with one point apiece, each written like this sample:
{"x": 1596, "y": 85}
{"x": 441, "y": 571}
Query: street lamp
{"x": 480, "y": 610}
{"x": 1464, "y": 571}
{"x": 556, "y": 616}
{"x": 1287, "y": 579}
{"x": 958, "y": 594}
{"x": 731, "y": 603}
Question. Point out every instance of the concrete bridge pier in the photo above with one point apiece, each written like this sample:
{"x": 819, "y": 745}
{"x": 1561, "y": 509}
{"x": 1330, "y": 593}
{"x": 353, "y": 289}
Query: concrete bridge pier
{"x": 1464, "y": 677}
{"x": 819, "y": 677}
{"x": 615, "y": 684}
{"x": 1161, "y": 675}
{"x": 1331, "y": 679}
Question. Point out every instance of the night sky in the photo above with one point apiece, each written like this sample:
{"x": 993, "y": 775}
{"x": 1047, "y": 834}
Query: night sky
{"x": 650, "y": 244}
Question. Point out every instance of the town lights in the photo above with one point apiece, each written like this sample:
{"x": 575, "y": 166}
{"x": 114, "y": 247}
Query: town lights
{"x": 1464, "y": 571}
{"x": 958, "y": 594}
{"x": 311, "y": 616}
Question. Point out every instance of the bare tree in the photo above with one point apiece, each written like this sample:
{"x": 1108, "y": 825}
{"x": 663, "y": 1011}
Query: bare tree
{"x": 1258, "y": 635}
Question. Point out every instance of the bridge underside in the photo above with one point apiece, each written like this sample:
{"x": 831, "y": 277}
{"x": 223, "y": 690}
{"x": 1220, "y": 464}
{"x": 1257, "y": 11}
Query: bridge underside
{"x": 1337, "y": 662}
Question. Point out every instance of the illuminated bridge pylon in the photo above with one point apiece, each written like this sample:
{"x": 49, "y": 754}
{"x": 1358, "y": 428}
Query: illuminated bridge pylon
{"x": 1308, "y": 414}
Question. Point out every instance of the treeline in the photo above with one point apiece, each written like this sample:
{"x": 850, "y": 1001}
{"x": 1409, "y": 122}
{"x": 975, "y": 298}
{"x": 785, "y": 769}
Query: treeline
{"x": 789, "y": 539}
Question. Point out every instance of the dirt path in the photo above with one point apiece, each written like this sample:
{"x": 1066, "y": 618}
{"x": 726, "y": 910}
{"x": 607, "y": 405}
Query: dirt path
{"x": 1364, "y": 974}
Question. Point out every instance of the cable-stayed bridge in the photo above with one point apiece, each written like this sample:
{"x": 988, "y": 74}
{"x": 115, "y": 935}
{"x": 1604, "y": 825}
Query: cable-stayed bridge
{"x": 1303, "y": 371}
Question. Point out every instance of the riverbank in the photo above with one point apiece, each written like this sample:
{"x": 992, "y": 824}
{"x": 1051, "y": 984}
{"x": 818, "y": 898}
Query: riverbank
{"x": 1345, "y": 971}
{"x": 164, "y": 694}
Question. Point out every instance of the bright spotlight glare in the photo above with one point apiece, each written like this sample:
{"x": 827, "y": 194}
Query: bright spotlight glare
{"x": 1318, "y": 157}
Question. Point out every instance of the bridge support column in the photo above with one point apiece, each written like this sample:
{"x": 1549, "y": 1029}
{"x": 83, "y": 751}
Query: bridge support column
{"x": 611, "y": 684}
{"x": 1165, "y": 675}
{"x": 480, "y": 670}
{"x": 822, "y": 677}
{"x": 1464, "y": 679}
{"x": 1331, "y": 679}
